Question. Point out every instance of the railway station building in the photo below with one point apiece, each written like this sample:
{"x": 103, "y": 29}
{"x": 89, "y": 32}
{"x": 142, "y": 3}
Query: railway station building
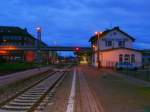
{"x": 113, "y": 46}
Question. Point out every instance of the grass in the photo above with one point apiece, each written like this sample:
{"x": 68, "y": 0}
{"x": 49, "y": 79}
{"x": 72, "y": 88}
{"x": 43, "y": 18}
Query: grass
{"x": 145, "y": 92}
{"x": 143, "y": 75}
{"x": 147, "y": 109}
{"x": 131, "y": 93}
{"x": 16, "y": 66}
{"x": 6, "y": 68}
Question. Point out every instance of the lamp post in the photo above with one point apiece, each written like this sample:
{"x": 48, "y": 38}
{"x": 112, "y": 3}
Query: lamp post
{"x": 98, "y": 49}
{"x": 39, "y": 30}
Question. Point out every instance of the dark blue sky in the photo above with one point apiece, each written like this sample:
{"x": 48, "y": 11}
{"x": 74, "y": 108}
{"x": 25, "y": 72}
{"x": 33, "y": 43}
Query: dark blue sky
{"x": 72, "y": 22}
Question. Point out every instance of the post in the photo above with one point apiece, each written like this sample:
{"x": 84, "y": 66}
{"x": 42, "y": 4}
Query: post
{"x": 39, "y": 45}
{"x": 98, "y": 52}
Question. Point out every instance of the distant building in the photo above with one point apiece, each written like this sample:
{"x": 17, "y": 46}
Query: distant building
{"x": 114, "y": 46}
{"x": 12, "y": 38}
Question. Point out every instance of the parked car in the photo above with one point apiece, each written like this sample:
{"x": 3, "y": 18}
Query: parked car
{"x": 126, "y": 65}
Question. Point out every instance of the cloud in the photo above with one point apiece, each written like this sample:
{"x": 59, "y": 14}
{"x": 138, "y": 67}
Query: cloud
{"x": 72, "y": 22}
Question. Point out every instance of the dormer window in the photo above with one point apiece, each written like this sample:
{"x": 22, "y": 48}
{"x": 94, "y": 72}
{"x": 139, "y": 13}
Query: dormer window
{"x": 121, "y": 43}
{"x": 108, "y": 43}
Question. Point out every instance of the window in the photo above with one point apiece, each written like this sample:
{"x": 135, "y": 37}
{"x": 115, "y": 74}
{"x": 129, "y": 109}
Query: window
{"x": 127, "y": 58}
{"x": 5, "y": 37}
{"x": 108, "y": 43}
{"x": 19, "y": 38}
{"x": 132, "y": 58}
{"x": 121, "y": 43}
{"x": 1, "y": 30}
{"x": 120, "y": 58}
{"x": 114, "y": 33}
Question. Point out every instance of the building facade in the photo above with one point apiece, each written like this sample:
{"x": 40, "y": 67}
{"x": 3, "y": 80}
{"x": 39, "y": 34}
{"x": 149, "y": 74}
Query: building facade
{"x": 114, "y": 46}
{"x": 12, "y": 38}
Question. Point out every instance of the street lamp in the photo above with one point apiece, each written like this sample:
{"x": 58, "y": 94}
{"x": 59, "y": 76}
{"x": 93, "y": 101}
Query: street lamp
{"x": 39, "y": 30}
{"x": 93, "y": 46}
{"x": 98, "y": 50}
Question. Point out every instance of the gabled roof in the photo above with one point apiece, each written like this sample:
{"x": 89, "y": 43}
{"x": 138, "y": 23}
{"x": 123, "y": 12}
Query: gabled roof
{"x": 94, "y": 38}
{"x": 15, "y": 31}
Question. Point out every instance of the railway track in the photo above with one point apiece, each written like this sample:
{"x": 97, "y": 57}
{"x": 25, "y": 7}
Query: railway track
{"x": 35, "y": 97}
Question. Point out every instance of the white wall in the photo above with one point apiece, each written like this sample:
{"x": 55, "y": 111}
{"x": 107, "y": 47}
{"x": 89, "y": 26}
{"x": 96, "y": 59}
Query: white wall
{"x": 115, "y": 39}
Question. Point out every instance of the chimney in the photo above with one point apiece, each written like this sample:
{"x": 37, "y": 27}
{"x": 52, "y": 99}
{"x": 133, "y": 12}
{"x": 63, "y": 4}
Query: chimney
{"x": 117, "y": 27}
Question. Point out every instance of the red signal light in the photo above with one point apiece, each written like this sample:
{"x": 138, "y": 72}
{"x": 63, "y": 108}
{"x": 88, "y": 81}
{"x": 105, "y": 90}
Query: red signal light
{"x": 77, "y": 49}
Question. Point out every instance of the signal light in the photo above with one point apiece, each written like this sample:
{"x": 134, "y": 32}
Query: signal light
{"x": 77, "y": 49}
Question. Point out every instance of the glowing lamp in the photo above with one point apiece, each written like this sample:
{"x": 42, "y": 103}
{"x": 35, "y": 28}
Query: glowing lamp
{"x": 100, "y": 32}
{"x": 38, "y": 29}
{"x": 4, "y": 40}
{"x": 96, "y": 33}
{"x": 94, "y": 46}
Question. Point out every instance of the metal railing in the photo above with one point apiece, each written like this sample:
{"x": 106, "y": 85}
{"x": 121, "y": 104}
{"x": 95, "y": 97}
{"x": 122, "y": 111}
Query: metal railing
{"x": 141, "y": 72}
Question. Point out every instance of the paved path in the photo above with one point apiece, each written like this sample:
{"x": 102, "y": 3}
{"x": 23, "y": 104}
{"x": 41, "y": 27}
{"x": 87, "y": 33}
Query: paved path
{"x": 86, "y": 100}
{"x": 74, "y": 95}
{"x": 8, "y": 79}
{"x": 71, "y": 100}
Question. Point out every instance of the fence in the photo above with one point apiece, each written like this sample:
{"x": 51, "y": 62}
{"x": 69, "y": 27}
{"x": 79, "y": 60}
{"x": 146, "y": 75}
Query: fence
{"x": 143, "y": 74}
